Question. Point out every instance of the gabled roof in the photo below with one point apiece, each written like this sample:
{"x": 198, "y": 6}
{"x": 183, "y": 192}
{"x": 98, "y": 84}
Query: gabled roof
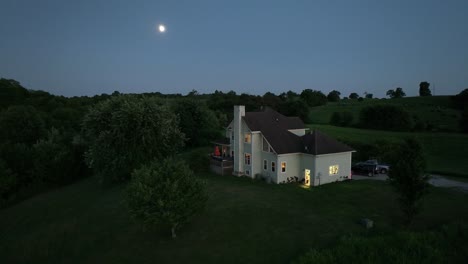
{"x": 274, "y": 127}
{"x": 318, "y": 143}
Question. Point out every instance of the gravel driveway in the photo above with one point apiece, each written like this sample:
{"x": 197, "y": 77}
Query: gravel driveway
{"x": 435, "y": 180}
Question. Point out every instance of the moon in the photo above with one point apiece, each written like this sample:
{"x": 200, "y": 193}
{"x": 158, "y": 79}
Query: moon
{"x": 161, "y": 28}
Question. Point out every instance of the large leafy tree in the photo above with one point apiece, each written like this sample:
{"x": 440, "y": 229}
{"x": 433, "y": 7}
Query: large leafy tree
{"x": 21, "y": 124}
{"x": 197, "y": 121}
{"x": 408, "y": 178}
{"x": 333, "y": 96}
{"x": 125, "y": 132}
{"x": 313, "y": 97}
{"x": 165, "y": 193}
{"x": 424, "y": 89}
{"x": 353, "y": 96}
{"x": 397, "y": 93}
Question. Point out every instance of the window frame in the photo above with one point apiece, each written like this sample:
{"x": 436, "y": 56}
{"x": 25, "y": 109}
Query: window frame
{"x": 265, "y": 165}
{"x": 330, "y": 168}
{"x": 249, "y": 137}
{"x": 273, "y": 166}
{"x": 285, "y": 165}
{"x": 249, "y": 159}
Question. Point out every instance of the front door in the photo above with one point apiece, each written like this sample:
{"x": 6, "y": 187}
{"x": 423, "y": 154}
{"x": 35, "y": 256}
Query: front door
{"x": 307, "y": 177}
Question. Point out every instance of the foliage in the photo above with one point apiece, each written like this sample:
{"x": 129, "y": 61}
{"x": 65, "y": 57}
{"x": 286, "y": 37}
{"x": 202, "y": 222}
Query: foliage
{"x": 334, "y": 96}
{"x": 407, "y": 176}
{"x": 165, "y": 192}
{"x": 386, "y": 117}
{"x": 424, "y": 89}
{"x": 313, "y": 97}
{"x": 369, "y": 96}
{"x": 402, "y": 247}
{"x": 464, "y": 120}
{"x": 271, "y": 100}
{"x": 353, "y": 96}
{"x": 460, "y": 100}
{"x": 126, "y": 132}
{"x": 197, "y": 122}
{"x": 11, "y": 93}
{"x": 295, "y": 107}
{"x": 341, "y": 118}
{"x": 7, "y": 182}
{"x": 397, "y": 93}
{"x": 23, "y": 123}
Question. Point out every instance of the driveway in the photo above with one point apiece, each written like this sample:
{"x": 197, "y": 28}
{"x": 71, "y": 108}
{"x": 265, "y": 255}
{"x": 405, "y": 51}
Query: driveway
{"x": 435, "y": 180}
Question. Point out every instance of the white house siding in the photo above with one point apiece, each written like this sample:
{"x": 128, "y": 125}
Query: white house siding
{"x": 323, "y": 163}
{"x": 308, "y": 163}
{"x": 271, "y": 176}
{"x": 256, "y": 146}
{"x": 247, "y": 149}
{"x": 293, "y": 167}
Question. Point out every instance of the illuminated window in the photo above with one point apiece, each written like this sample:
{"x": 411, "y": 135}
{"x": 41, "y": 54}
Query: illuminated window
{"x": 247, "y": 138}
{"x": 307, "y": 177}
{"x": 247, "y": 159}
{"x": 283, "y": 166}
{"x": 273, "y": 166}
{"x": 266, "y": 147}
{"x": 265, "y": 164}
{"x": 333, "y": 170}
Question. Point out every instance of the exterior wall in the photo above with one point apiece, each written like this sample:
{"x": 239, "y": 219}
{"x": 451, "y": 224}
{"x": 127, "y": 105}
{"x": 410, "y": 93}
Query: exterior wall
{"x": 270, "y": 176}
{"x": 238, "y": 142}
{"x": 299, "y": 132}
{"x": 256, "y": 146}
{"x": 247, "y": 149}
{"x": 307, "y": 163}
{"x": 293, "y": 167}
{"x": 323, "y": 163}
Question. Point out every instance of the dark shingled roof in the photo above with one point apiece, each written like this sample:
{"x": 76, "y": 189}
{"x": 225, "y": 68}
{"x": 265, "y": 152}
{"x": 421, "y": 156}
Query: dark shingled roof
{"x": 274, "y": 127}
{"x": 318, "y": 143}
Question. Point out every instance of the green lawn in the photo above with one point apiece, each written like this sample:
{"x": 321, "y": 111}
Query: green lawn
{"x": 445, "y": 152}
{"x": 434, "y": 110}
{"x": 244, "y": 222}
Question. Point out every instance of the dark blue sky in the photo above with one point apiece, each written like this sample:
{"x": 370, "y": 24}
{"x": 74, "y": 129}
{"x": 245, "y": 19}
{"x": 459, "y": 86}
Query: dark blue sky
{"x": 91, "y": 47}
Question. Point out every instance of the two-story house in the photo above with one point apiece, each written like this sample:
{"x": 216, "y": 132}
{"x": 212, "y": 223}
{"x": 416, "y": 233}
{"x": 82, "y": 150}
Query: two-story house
{"x": 270, "y": 145}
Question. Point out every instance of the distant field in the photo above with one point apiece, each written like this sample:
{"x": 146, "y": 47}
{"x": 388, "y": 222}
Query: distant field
{"x": 446, "y": 152}
{"x": 244, "y": 222}
{"x": 434, "y": 110}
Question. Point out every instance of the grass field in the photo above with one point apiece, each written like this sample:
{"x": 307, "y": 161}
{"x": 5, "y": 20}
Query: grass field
{"x": 445, "y": 152}
{"x": 434, "y": 110}
{"x": 244, "y": 222}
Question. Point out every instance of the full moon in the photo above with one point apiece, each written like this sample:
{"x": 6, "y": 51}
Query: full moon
{"x": 162, "y": 28}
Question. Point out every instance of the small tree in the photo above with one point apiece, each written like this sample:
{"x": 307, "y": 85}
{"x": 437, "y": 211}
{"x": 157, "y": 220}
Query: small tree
{"x": 407, "y": 177}
{"x": 165, "y": 193}
{"x": 353, "y": 96}
{"x": 424, "y": 89}
{"x": 334, "y": 96}
{"x": 397, "y": 93}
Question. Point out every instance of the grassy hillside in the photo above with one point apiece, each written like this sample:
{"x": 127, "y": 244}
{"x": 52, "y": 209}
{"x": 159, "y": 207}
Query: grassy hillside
{"x": 445, "y": 152}
{"x": 244, "y": 222}
{"x": 434, "y": 110}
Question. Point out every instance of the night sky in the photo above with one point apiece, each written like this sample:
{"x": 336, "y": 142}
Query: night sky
{"x": 90, "y": 47}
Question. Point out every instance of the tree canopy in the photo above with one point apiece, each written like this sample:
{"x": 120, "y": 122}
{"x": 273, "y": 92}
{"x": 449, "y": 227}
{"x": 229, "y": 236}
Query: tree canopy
{"x": 397, "y": 93}
{"x": 333, "y": 96}
{"x": 424, "y": 89}
{"x": 313, "y": 97}
{"x": 125, "y": 132}
{"x": 165, "y": 193}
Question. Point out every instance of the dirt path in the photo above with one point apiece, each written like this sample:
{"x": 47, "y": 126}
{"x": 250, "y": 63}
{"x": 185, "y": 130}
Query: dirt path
{"x": 435, "y": 180}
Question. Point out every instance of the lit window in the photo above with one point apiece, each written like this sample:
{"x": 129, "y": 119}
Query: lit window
{"x": 266, "y": 147}
{"x": 307, "y": 177}
{"x": 273, "y": 166}
{"x": 283, "y": 166}
{"x": 247, "y": 159}
{"x": 247, "y": 138}
{"x": 333, "y": 170}
{"x": 265, "y": 164}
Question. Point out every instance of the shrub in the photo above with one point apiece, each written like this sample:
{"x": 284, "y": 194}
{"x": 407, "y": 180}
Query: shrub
{"x": 385, "y": 117}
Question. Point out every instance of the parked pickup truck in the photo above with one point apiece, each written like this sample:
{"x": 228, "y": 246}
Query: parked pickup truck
{"x": 380, "y": 167}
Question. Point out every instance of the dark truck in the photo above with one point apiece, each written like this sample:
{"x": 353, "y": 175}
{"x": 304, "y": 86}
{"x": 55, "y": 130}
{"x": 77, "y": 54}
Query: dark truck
{"x": 379, "y": 167}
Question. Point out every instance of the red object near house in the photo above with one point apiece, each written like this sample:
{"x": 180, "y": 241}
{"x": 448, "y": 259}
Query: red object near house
{"x": 216, "y": 151}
